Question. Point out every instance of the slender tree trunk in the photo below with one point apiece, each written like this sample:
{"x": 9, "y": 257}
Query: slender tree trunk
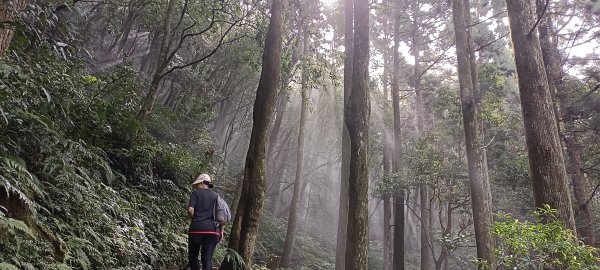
{"x": 398, "y": 262}
{"x": 481, "y": 198}
{"x": 473, "y": 62}
{"x": 150, "y": 98}
{"x": 298, "y": 181}
{"x": 280, "y": 159}
{"x": 587, "y": 228}
{"x": 8, "y": 12}
{"x": 282, "y": 103}
{"x": 426, "y": 229}
{"x": 340, "y": 250}
{"x": 245, "y": 224}
{"x": 238, "y": 195}
{"x": 442, "y": 261}
{"x": 149, "y": 62}
{"x": 357, "y": 121}
{"x": 272, "y": 161}
{"x": 546, "y": 162}
{"x": 121, "y": 40}
{"x": 552, "y": 61}
{"x": 387, "y": 233}
{"x": 411, "y": 221}
{"x": 387, "y": 168}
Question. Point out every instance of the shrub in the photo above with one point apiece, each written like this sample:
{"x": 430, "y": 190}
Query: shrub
{"x": 539, "y": 245}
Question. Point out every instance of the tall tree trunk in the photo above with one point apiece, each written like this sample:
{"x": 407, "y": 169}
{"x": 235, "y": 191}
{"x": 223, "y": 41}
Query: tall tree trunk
{"x": 282, "y": 101}
{"x": 150, "y": 98}
{"x": 340, "y": 250}
{"x": 426, "y": 229}
{"x": 473, "y": 61}
{"x": 398, "y": 262}
{"x": 8, "y": 12}
{"x": 481, "y": 198}
{"x": 121, "y": 40}
{"x": 283, "y": 155}
{"x": 357, "y": 121}
{"x": 387, "y": 168}
{"x": 546, "y": 161}
{"x": 298, "y": 181}
{"x": 552, "y": 61}
{"x": 587, "y": 228}
{"x": 245, "y": 224}
{"x": 387, "y": 233}
{"x": 442, "y": 261}
{"x": 149, "y": 62}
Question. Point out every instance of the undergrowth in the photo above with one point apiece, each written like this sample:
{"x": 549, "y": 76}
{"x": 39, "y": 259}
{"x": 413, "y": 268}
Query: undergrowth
{"x": 309, "y": 253}
{"x": 83, "y": 185}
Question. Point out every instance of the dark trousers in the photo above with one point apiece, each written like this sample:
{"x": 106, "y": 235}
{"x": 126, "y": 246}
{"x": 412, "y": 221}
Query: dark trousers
{"x": 205, "y": 244}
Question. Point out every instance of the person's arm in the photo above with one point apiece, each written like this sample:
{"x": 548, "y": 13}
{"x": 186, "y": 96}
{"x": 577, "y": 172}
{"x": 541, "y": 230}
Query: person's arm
{"x": 191, "y": 206}
{"x": 222, "y": 228}
{"x": 191, "y": 212}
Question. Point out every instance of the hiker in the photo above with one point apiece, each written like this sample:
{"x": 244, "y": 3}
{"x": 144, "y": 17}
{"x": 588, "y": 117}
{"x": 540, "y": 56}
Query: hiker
{"x": 204, "y": 233}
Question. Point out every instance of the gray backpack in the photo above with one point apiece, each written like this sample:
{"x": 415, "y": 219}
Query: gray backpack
{"x": 222, "y": 212}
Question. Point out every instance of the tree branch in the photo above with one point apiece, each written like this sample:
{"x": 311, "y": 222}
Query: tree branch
{"x": 592, "y": 195}
{"x": 221, "y": 42}
{"x": 491, "y": 42}
{"x": 539, "y": 18}
{"x": 185, "y": 36}
{"x": 482, "y": 21}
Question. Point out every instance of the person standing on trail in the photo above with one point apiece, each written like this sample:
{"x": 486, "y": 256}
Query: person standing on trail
{"x": 204, "y": 233}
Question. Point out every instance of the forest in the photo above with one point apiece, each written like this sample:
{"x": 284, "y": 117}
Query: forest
{"x": 343, "y": 134}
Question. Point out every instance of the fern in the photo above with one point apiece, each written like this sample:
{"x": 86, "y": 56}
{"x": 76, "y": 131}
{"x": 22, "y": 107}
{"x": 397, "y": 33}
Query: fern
{"x": 16, "y": 164}
{"x": 16, "y": 225}
{"x": 7, "y": 266}
{"x": 234, "y": 258}
{"x": 16, "y": 179}
{"x": 60, "y": 266}
{"x": 12, "y": 190}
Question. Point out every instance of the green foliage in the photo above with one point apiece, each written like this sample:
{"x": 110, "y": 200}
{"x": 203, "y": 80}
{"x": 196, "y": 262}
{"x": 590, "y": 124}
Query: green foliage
{"x": 7, "y": 266}
{"x": 430, "y": 162}
{"x": 538, "y": 245}
{"x": 309, "y": 253}
{"x": 233, "y": 257}
{"x": 426, "y": 162}
{"x": 94, "y": 190}
{"x": 11, "y": 226}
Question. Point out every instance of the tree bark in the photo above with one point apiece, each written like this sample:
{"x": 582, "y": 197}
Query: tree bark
{"x": 282, "y": 102}
{"x": 552, "y": 61}
{"x": 442, "y": 261}
{"x": 247, "y": 218}
{"x": 587, "y": 228}
{"x": 8, "y": 12}
{"x": 149, "y": 62}
{"x": 398, "y": 259}
{"x": 150, "y": 98}
{"x": 481, "y": 198}
{"x": 282, "y": 157}
{"x": 426, "y": 229}
{"x": 340, "y": 250}
{"x": 387, "y": 168}
{"x": 546, "y": 162}
{"x": 357, "y": 121}
{"x": 387, "y": 233}
{"x": 272, "y": 161}
{"x": 298, "y": 181}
